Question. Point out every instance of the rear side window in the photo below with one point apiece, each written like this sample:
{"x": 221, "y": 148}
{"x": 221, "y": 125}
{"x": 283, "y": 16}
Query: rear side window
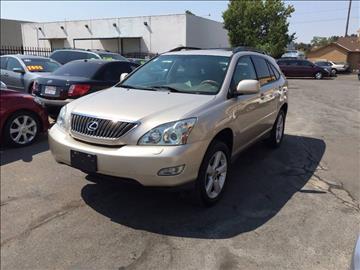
{"x": 64, "y": 57}
{"x": 305, "y": 63}
{"x": 244, "y": 71}
{"x": 13, "y": 63}
{"x": 274, "y": 71}
{"x": 3, "y": 61}
{"x": 111, "y": 72}
{"x": 79, "y": 69}
{"x": 262, "y": 70}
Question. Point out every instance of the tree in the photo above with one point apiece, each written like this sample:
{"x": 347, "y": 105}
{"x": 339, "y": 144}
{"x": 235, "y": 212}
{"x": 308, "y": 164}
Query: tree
{"x": 261, "y": 24}
{"x": 305, "y": 47}
{"x": 322, "y": 41}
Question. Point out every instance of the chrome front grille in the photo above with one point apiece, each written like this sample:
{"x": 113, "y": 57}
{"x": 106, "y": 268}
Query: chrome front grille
{"x": 89, "y": 126}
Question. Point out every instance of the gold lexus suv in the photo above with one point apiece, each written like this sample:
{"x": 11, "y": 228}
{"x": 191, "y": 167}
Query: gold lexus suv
{"x": 180, "y": 118}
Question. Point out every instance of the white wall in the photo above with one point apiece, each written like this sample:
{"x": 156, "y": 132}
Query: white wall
{"x": 205, "y": 33}
{"x": 161, "y": 34}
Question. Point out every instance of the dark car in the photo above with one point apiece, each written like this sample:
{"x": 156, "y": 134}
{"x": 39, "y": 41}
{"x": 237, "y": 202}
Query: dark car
{"x": 64, "y": 56}
{"x": 21, "y": 118}
{"x": 326, "y": 65}
{"x": 78, "y": 78}
{"x": 301, "y": 68}
{"x": 19, "y": 71}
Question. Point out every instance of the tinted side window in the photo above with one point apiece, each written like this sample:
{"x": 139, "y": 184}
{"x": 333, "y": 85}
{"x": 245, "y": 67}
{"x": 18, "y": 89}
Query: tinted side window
{"x": 305, "y": 63}
{"x": 272, "y": 73}
{"x": 244, "y": 71}
{"x": 64, "y": 57}
{"x": 282, "y": 63}
{"x": 274, "y": 70}
{"x": 3, "y": 61}
{"x": 13, "y": 63}
{"x": 59, "y": 57}
{"x": 112, "y": 72}
{"x": 262, "y": 70}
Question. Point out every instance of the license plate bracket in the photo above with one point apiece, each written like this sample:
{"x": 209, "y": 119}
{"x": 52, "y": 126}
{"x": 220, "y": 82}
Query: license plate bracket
{"x": 50, "y": 90}
{"x": 83, "y": 161}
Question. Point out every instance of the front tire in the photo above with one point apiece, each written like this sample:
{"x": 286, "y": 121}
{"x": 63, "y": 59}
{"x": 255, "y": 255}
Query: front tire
{"x": 213, "y": 174}
{"x": 318, "y": 75}
{"x": 277, "y": 132}
{"x": 21, "y": 129}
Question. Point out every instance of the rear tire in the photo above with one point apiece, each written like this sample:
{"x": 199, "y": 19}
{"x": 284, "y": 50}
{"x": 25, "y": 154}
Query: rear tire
{"x": 22, "y": 129}
{"x": 277, "y": 132}
{"x": 213, "y": 174}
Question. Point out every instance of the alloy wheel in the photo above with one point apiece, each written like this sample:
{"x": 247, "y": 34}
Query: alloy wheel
{"x": 216, "y": 174}
{"x": 23, "y": 129}
{"x": 279, "y": 128}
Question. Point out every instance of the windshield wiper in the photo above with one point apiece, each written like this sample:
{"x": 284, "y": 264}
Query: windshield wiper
{"x": 171, "y": 89}
{"x": 135, "y": 87}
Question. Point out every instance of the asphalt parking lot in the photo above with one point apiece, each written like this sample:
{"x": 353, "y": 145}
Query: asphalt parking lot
{"x": 296, "y": 207}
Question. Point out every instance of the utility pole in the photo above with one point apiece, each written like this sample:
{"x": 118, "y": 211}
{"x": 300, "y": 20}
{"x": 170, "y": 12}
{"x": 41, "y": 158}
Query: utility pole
{"x": 348, "y": 18}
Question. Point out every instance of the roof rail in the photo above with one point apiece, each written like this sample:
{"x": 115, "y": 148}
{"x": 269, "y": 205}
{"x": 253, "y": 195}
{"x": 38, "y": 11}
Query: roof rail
{"x": 245, "y": 48}
{"x": 177, "y": 49}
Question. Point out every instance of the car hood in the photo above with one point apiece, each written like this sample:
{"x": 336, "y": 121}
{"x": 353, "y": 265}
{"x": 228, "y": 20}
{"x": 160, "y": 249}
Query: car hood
{"x": 139, "y": 105}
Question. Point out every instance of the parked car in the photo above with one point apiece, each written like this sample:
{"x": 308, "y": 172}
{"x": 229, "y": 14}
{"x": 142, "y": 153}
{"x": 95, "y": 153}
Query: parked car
{"x": 64, "y": 56}
{"x": 326, "y": 65}
{"x": 293, "y": 54}
{"x": 339, "y": 66}
{"x": 78, "y": 78}
{"x": 19, "y": 72}
{"x": 139, "y": 61}
{"x": 178, "y": 119}
{"x": 301, "y": 68}
{"x": 21, "y": 118}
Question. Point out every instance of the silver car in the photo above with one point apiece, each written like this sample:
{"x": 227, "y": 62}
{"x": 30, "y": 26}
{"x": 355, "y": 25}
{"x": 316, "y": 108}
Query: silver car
{"x": 19, "y": 72}
{"x": 178, "y": 119}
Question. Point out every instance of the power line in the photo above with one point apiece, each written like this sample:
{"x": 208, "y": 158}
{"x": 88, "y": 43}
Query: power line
{"x": 327, "y": 20}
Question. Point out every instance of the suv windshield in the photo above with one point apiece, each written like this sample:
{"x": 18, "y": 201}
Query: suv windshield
{"x": 79, "y": 68}
{"x": 112, "y": 56}
{"x": 40, "y": 65}
{"x": 195, "y": 74}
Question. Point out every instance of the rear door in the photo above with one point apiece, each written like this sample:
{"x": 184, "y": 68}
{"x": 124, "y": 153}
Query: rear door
{"x": 268, "y": 91}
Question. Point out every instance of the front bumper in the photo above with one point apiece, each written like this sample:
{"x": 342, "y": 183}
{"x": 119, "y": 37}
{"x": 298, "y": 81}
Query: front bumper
{"x": 140, "y": 163}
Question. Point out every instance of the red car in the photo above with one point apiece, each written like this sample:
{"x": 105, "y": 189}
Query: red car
{"x": 21, "y": 118}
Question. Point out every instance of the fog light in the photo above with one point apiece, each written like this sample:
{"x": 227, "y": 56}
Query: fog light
{"x": 171, "y": 171}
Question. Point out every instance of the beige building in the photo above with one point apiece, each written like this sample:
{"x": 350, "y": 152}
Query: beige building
{"x": 11, "y": 32}
{"x": 345, "y": 49}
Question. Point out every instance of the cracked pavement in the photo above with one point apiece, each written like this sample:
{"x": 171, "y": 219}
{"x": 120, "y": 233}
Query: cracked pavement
{"x": 296, "y": 207}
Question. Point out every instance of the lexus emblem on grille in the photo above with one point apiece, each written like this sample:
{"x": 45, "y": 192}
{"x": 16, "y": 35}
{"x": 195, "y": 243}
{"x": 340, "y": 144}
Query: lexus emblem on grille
{"x": 92, "y": 126}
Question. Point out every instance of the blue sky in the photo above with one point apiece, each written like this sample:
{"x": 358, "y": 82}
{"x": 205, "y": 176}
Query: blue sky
{"x": 311, "y": 18}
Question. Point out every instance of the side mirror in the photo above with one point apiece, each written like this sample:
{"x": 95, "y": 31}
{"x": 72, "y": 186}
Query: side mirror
{"x": 248, "y": 87}
{"x": 18, "y": 70}
{"x": 3, "y": 85}
{"x": 123, "y": 76}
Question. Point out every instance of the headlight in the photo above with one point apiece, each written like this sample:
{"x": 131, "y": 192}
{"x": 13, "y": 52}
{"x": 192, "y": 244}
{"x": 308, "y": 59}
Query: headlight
{"x": 173, "y": 133}
{"x": 61, "y": 119}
